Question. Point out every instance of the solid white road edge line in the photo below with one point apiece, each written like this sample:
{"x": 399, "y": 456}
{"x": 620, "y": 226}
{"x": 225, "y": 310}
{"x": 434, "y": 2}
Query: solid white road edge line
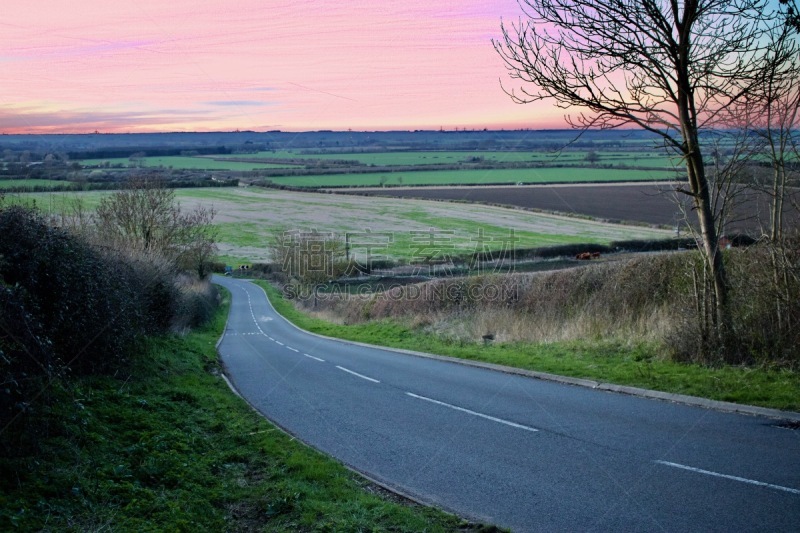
{"x": 726, "y": 476}
{"x": 474, "y": 413}
{"x": 357, "y": 374}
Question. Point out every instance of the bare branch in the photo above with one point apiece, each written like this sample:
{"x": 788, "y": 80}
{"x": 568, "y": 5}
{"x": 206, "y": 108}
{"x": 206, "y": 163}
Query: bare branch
{"x": 675, "y": 68}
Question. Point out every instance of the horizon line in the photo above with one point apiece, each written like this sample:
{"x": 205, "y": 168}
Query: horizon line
{"x": 344, "y": 131}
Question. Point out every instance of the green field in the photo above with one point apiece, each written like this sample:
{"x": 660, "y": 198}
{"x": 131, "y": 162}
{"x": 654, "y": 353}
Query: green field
{"x": 478, "y": 177}
{"x": 178, "y": 162}
{"x": 401, "y": 158}
{"x": 248, "y": 218}
{"x": 221, "y": 162}
{"x": 631, "y": 158}
{"x": 57, "y": 202}
{"x": 31, "y": 183}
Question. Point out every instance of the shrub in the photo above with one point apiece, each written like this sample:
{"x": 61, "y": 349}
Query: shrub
{"x": 68, "y": 307}
{"x": 197, "y": 301}
{"x": 764, "y": 309}
{"x": 85, "y": 302}
{"x": 27, "y": 360}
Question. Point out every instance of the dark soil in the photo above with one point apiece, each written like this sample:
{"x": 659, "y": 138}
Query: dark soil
{"x": 655, "y": 204}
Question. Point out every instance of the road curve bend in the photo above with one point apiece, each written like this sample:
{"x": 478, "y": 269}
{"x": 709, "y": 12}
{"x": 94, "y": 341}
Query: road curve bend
{"x": 522, "y": 453}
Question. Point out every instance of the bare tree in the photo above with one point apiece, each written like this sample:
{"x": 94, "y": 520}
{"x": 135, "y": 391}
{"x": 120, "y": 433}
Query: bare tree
{"x": 309, "y": 257}
{"x": 770, "y": 114}
{"x": 773, "y": 112}
{"x": 667, "y": 66}
{"x": 197, "y": 246}
{"x": 146, "y": 217}
{"x": 732, "y": 153}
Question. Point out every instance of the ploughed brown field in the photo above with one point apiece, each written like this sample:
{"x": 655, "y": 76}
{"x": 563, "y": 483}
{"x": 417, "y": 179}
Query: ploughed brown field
{"x": 648, "y": 203}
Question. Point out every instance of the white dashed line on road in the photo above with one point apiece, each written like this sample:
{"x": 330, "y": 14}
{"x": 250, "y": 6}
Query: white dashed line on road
{"x": 726, "y": 476}
{"x": 473, "y": 413}
{"x": 367, "y": 378}
{"x": 358, "y": 375}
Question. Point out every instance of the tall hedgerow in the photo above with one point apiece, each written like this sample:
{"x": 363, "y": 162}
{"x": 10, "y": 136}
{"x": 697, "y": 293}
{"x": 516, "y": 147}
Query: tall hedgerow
{"x": 70, "y": 307}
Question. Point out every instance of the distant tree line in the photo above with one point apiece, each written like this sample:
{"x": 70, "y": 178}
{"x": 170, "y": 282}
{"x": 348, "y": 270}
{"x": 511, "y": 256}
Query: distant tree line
{"x": 321, "y": 142}
{"x": 68, "y": 186}
{"x": 166, "y": 151}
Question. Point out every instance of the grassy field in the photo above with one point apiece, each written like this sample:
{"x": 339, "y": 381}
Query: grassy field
{"x": 8, "y": 184}
{"x": 631, "y": 158}
{"x": 179, "y": 162}
{"x": 262, "y": 160}
{"x": 477, "y": 177}
{"x": 57, "y": 202}
{"x": 247, "y": 219}
{"x": 169, "y": 447}
{"x": 610, "y": 362}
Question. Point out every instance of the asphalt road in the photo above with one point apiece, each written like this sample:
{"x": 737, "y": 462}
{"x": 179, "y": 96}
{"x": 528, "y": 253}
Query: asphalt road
{"x": 517, "y": 452}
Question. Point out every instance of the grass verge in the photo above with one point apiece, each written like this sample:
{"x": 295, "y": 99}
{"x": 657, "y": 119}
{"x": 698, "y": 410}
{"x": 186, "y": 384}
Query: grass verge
{"x": 170, "y": 448}
{"x": 605, "y": 361}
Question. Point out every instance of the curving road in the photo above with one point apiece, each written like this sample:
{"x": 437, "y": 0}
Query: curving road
{"x": 522, "y": 453}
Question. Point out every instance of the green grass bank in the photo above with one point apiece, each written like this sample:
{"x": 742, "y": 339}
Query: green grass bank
{"x": 168, "y": 447}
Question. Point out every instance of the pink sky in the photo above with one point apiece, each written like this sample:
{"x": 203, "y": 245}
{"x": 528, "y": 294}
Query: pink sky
{"x": 196, "y": 65}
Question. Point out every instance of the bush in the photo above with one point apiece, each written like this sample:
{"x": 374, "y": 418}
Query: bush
{"x": 197, "y": 301}
{"x": 67, "y": 307}
{"x": 86, "y": 303}
{"x": 27, "y": 360}
{"x": 764, "y": 309}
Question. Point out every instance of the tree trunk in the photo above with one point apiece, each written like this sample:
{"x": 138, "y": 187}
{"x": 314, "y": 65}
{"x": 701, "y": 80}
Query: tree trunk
{"x": 778, "y": 192}
{"x": 710, "y": 246}
{"x": 695, "y": 167}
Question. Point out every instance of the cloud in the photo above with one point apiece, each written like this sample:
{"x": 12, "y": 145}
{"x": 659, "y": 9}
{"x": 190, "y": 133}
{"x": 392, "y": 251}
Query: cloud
{"x": 51, "y": 52}
{"x": 37, "y": 120}
{"x": 377, "y": 65}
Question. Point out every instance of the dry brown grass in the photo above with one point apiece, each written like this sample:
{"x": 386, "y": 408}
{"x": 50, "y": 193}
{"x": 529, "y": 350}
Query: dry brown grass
{"x": 197, "y": 300}
{"x": 649, "y": 298}
{"x": 626, "y": 299}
